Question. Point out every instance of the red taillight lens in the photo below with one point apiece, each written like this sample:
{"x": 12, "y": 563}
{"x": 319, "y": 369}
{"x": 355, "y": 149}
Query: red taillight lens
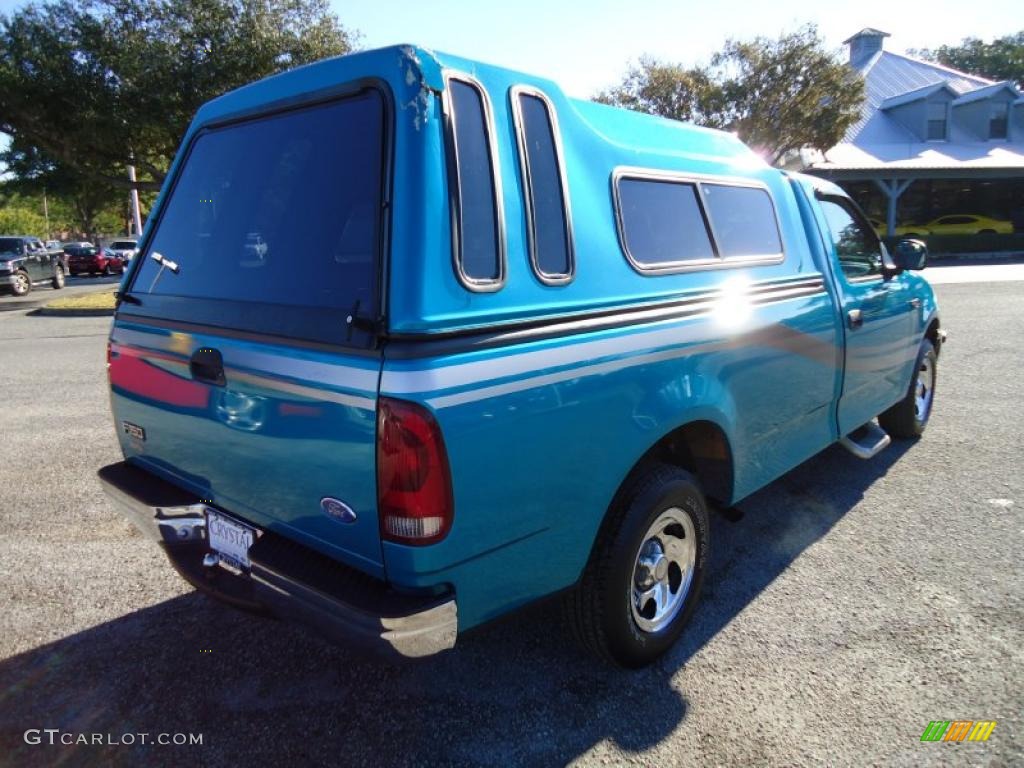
{"x": 414, "y": 487}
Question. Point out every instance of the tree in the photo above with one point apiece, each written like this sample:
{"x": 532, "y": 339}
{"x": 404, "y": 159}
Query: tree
{"x": 779, "y": 95}
{"x": 1002, "y": 59}
{"x": 670, "y": 90}
{"x": 100, "y": 84}
{"x": 35, "y": 174}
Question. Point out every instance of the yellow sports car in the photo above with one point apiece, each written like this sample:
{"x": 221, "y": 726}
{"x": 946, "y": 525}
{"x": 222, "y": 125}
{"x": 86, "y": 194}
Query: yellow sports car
{"x": 969, "y": 224}
{"x": 903, "y": 230}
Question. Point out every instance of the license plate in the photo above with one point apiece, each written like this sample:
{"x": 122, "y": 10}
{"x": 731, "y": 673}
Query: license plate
{"x": 229, "y": 539}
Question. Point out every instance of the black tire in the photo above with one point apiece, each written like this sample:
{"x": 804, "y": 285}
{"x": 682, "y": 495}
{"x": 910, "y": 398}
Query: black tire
{"x": 601, "y": 608}
{"x": 58, "y": 278}
{"x": 22, "y": 283}
{"x": 908, "y": 419}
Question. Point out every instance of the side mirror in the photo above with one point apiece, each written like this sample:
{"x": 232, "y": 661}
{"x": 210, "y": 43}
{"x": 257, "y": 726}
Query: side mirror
{"x": 911, "y": 255}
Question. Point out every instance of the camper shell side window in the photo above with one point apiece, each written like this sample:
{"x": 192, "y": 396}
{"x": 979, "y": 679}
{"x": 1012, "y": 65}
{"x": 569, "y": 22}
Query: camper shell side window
{"x": 545, "y": 191}
{"x": 670, "y": 222}
{"x": 474, "y": 185}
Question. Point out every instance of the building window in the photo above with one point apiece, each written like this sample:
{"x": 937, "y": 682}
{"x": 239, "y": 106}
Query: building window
{"x": 937, "y": 121}
{"x": 998, "y": 119}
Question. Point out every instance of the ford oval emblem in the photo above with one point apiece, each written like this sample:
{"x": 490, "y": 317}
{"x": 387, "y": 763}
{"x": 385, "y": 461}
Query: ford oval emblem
{"x": 337, "y": 510}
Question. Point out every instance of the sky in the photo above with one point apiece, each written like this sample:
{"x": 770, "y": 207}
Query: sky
{"x": 586, "y": 45}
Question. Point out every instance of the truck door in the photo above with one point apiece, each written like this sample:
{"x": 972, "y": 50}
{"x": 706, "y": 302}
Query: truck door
{"x": 877, "y": 314}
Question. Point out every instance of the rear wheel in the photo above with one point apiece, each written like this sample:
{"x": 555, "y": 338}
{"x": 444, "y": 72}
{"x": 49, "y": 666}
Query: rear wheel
{"x": 644, "y": 577}
{"x": 58, "y": 278}
{"x": 22, "y": 285}
{"x": 909, "y": 417}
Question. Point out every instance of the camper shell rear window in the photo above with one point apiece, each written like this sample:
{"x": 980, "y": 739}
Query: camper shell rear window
{"x": 275, "y": 224}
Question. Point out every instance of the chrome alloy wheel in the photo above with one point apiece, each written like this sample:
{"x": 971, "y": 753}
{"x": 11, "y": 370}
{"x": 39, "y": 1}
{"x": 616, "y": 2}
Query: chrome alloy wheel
{"x": 663, "y": 570}
{"x": 924, "y": 388}
{"x": 21, "y": 283}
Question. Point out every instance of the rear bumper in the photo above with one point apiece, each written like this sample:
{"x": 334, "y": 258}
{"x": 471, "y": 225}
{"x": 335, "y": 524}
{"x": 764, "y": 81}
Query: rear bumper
{"x": 287, "y": 580}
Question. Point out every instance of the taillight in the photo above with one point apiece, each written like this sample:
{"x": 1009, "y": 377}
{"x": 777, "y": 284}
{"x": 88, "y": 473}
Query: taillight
{"x": 414, "y": 488}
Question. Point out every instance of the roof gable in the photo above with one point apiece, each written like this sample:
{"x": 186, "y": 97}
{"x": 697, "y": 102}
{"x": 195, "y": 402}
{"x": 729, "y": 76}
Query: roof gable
{"x": 988, "y": 92}
{"x": 917, "y": 95}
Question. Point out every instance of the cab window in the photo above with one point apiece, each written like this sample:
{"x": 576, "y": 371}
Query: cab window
{"x": 857, "y": 247}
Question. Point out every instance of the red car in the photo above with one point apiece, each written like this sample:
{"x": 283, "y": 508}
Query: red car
{"x": 94, "y": 261}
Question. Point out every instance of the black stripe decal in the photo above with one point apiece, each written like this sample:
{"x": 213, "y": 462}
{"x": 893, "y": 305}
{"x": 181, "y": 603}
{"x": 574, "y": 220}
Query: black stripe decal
{"x": 412, "y": 346}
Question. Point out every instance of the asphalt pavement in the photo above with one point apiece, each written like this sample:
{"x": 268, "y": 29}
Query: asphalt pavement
{"x": 853, "y": 603}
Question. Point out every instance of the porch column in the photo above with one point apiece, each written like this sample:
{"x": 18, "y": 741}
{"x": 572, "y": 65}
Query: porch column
{"x": 892, "y": 188}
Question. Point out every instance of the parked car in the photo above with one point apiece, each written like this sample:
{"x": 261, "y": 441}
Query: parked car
{"x": 92, "y": 260}
{"x": 903, "y": 230}
{"x": 123, "y": 249}
{"x": 76, "y": 244}
{"x": 503, "y": 344}
{"x": 968, "y": 224}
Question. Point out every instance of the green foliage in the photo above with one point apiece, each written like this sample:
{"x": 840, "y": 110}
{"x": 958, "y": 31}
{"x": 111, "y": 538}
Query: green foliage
{"x": 1002, "y": 59}
{"x": 779, "y": 95}
{"x": 100, "y": 84}
{"x": 670, "y": 90}
{"x": 77, "y": 202}
{"x": 19, "y": 218}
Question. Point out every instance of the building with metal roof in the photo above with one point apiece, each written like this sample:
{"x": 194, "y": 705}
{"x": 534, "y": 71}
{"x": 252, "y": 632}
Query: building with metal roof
{"x": 930, "y": 140}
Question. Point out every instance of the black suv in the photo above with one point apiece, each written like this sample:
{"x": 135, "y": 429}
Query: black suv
{"x": 25, "y": 262}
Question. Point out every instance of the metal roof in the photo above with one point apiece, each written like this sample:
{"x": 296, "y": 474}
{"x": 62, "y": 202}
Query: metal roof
{"x": 888, "y": 75}
{"x": 866, "y": 32}
{"x": 916, "y": 155}
{"x": 879, "y": 141}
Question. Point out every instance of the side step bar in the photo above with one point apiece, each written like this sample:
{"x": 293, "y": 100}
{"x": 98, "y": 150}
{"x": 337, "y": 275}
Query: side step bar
{"x": 871, "y": 440}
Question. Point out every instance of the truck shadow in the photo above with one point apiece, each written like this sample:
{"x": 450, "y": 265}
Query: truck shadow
{"x": 516, "y": 692}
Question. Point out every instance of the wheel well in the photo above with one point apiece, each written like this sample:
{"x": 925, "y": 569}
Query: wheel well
{"x": 700, "y": 448}
{"x": 932, "y": 334}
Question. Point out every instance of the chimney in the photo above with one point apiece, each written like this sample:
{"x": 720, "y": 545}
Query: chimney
{"x": 864, "y": 45}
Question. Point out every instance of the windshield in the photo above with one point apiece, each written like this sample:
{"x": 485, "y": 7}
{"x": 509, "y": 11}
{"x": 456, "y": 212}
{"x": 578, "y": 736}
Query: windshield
{"x": 10, "y": 245}
{"x": 123, "y": 245}
{"x": 283, "y": 209}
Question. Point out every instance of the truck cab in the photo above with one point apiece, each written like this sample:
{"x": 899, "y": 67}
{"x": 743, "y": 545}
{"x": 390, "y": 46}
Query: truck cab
{"x": 412, "y": 341}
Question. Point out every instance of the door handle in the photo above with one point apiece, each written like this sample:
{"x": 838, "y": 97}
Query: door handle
{"x": 855, "y": 318}
{"x": 207, "y": 365}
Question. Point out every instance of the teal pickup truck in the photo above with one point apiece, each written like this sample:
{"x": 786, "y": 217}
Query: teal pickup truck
{"x": 412, "y": 341}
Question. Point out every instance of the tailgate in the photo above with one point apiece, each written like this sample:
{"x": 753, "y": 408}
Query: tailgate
{"x": 288, "y": 428}
{"x": 239, "y": 364}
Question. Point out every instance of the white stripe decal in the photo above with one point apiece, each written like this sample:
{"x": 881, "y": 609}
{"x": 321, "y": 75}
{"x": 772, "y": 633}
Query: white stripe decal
{"x": 473, "y": 395}
{"x": 399, "y": 382}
